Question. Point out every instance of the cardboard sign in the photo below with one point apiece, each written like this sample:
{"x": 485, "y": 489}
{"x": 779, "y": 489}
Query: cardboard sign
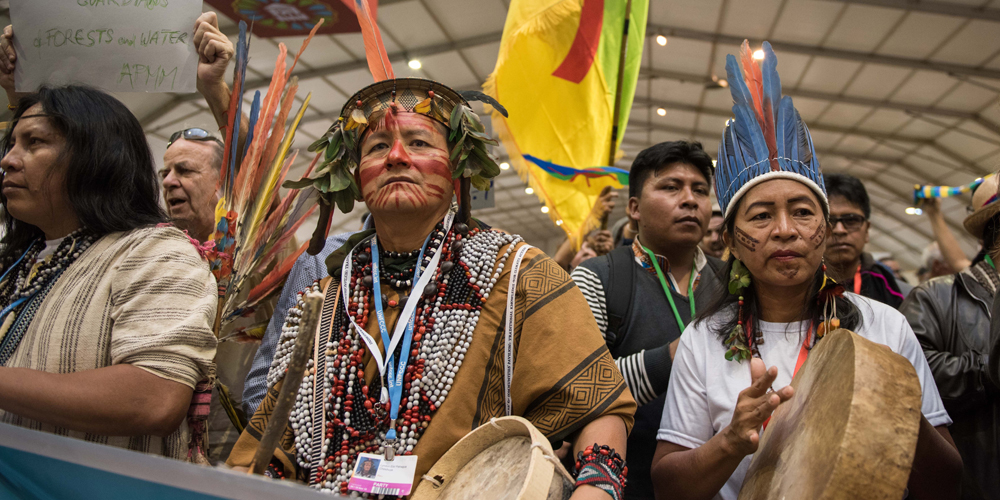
{"x": 114, "y": 45}
{"x": 482, "y": 199}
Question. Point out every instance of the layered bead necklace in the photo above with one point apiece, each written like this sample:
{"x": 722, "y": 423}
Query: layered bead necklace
{"x": 357, "y": 418}
{"x": 24, "y": 286}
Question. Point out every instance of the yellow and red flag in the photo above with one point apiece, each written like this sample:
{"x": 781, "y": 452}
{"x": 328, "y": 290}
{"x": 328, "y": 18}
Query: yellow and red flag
{"x": 557, "y": 75}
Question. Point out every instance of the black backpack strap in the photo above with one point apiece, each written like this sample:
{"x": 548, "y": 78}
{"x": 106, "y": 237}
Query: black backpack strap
{"x": 619, "y": 290}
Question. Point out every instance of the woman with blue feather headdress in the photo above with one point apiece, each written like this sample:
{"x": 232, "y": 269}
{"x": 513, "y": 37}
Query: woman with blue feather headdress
{"x": 779, "y": 304}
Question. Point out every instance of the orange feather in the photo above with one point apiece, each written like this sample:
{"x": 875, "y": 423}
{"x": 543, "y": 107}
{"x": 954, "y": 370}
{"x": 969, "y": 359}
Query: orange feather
{"x": 378, "y": 60}
{"x": 303, "y": 47}
{"x": 754, "y": 79}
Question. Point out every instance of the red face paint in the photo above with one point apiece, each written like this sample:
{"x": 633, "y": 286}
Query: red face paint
{"x": 404, "y": 164}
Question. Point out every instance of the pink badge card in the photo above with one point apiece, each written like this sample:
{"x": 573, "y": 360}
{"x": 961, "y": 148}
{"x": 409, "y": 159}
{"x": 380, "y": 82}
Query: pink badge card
{"x": 374, "y": 474}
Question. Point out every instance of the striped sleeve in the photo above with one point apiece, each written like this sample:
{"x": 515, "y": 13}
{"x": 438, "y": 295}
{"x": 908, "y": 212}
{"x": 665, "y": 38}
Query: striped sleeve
{"x": 633, "y": 368}
{"x": 593, "y": 290}
{"x": 162, "y": 306}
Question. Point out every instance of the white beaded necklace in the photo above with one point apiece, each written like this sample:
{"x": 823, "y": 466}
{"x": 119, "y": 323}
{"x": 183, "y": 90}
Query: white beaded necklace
{"x": 443, "y": 350}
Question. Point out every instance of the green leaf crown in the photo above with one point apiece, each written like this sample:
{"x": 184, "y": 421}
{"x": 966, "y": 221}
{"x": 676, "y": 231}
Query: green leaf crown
{"x": 467, "y": 137}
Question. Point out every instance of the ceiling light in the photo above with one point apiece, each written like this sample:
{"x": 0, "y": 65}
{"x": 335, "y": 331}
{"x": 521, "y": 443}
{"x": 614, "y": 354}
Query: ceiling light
{"x": 758, "y": 54}
{"x": 723, "y": 82}
{"x": 661, "y": 111}
{"x": 545, "y": 209}
{"x": 559, "y": 222}
{"x": 504, "y": 166}
{"x": 528, "y": 190}
{"x": 661, "y": 40}
{"x": 913, "y": 211}
{"x": 414, "y": 64}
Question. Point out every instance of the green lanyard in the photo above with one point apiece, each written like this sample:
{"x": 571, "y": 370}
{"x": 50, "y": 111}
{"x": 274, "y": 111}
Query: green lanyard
{"x": 666, "y": 288}
{"x": 989, "y": 261}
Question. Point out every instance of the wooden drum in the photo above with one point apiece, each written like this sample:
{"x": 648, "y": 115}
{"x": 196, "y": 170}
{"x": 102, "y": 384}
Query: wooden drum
{"x": 849, "y": 432}
{"x": 507, "y": 458}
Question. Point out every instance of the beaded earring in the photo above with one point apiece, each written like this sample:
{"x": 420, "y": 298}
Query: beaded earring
{"x": 827, "y": 297}
{"x": 737, "y": 341}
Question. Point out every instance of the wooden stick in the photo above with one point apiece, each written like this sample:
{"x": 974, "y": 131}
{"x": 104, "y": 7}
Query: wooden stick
{"x": 319, "y": 235}
{"x": 618, "y": 88}
{"x": 293, "y": 379}
{"x": 465, "y": 201}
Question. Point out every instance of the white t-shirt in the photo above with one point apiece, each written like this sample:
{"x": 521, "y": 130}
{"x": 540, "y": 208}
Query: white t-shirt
{"x": 701, "y": 397}
{"x": 50, "y": 248}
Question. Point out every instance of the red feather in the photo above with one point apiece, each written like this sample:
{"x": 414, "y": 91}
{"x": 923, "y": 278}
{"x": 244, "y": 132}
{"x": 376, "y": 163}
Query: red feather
{"x": 231, "y": 119}
{"x": 251, "y": 162}
{"x": 275, "y": 278}
{"x": 378, "y": 60}
{"x": 755, "y": 82}
{"x": 765, "y": 117}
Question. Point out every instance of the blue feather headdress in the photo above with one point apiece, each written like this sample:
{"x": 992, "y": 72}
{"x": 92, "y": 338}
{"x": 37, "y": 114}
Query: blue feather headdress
{"x": 767, "y": 139}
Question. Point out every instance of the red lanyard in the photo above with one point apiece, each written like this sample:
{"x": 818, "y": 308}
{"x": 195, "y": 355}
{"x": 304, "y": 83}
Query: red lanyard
{"x": 803, "y": 354}
{"x": 857, "y": 281}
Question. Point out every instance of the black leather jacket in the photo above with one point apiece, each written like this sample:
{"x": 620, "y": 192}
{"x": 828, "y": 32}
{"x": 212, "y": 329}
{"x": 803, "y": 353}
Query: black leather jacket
{"x": 951, "y": 317}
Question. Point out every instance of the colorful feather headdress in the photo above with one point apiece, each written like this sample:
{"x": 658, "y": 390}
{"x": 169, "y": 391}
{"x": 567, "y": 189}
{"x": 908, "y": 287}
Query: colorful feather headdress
{"x": 767, "y": 139}
{"x": 472, "y": 161}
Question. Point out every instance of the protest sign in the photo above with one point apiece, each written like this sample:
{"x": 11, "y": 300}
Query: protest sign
{"x": 115, "y": 45}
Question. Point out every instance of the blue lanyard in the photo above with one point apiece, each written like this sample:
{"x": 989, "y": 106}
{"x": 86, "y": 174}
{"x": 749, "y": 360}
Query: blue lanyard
{"x": 17, "y": 303}
{"x": 394, "y": 375}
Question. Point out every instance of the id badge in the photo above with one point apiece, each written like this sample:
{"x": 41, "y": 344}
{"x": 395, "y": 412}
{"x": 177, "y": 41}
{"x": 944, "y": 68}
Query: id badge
{"x": 374, "y": 474}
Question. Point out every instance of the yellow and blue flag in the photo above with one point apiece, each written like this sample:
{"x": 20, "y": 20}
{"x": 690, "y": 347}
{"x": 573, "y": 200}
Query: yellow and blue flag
{"x": 557, "y": 75}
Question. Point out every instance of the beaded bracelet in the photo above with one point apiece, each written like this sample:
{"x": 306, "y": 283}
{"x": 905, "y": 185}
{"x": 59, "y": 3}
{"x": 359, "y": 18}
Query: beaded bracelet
{"x": 275, "y": 470}
{"x": 601, "y": 467}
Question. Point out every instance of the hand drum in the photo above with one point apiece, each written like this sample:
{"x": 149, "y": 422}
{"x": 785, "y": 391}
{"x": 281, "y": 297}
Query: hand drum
{"x": 849, "y": 432}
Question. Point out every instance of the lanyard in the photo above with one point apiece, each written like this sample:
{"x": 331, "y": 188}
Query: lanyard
{"x": 989, "y": 260}
{"x": 411, "y": 303}
{"x": 666, "y": 288}
{"x": 404, "y": 320}
{"x": 857, "y": 281}
{"x": 394, "y": 374}
{"x": 508, "y": 344}
{"x": 17, "y": 303}
{"x": 803, "y": 354}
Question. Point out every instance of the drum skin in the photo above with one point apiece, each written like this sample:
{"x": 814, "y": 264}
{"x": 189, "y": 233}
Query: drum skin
{"x": 507, "y": 458}
{"x": 850, "y": 431}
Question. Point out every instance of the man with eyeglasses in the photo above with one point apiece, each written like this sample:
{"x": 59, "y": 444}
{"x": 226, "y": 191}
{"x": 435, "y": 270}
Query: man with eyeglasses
{"x": 189, "y": 176}
{"x": 846, "y": 259}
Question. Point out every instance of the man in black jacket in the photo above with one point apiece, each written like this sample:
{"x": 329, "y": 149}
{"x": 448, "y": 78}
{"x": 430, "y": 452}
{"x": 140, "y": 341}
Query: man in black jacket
{"x": 951, "y": 317}
{"x": 644, "y": 294}
{"x": 849, "y": 264}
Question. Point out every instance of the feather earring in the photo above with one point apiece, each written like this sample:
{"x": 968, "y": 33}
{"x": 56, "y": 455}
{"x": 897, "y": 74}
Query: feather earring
{"x": 827, "y": 297}
{"x": 739, "y": 346}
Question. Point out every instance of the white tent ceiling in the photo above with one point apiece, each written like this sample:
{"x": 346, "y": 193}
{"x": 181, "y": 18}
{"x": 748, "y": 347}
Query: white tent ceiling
{"x": 896, "y": 92}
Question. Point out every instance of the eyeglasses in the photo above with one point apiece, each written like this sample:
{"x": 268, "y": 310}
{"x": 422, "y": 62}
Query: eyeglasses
{"x": 851, "y": 222}
{"x": 194, "y": 134}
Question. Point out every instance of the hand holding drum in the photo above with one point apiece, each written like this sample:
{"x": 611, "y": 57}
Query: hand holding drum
{"x": 753, "y": 408}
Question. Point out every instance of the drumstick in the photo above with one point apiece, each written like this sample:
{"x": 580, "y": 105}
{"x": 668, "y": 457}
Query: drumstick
{"x": 293, "y": 379}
